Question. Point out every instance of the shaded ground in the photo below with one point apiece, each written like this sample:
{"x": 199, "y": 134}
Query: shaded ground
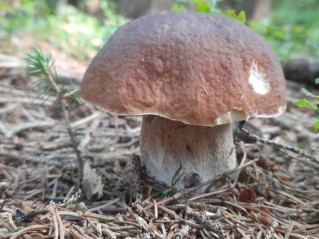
{"x": 275, "y": 193}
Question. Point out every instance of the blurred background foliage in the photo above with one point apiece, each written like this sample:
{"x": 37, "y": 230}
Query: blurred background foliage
{"x": 292, "y": 28}
{"x": 80, "y": 27}
{"x": 72, "y": 28}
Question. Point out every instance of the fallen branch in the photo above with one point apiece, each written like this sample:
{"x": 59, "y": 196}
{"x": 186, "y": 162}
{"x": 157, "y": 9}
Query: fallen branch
{"x": 284, "y": 146}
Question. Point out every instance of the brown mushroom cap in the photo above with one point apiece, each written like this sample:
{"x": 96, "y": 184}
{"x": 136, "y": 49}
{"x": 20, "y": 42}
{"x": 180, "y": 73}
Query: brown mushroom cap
{"x": 198, "y": 68}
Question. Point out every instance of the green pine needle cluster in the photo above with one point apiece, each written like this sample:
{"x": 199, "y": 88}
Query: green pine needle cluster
{"x": 42, "y": 67}
{"x": 38, "y": 63}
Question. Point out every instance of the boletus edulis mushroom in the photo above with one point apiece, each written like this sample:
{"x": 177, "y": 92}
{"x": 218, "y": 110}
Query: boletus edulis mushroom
{"x": 190, "y": 75}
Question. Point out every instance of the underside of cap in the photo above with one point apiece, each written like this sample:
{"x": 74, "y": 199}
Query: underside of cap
{"x": 198, "y": 68}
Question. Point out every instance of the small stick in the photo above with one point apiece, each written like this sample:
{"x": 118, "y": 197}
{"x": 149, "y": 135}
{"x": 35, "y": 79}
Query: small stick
{"x": 109, "y": 203}
{"x": 283, "y": 146}
{"x": 55, "y": 222}
{"x": 155, "y": 209}
{"x": 75, "y": 234}
{"x": 27, "y": 229}
{"x": 60, "y": 224}
{"x": 168, "y": 211}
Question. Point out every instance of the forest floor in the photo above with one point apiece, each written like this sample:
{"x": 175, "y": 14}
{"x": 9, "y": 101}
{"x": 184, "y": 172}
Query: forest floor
{"x": 274, "y": 192}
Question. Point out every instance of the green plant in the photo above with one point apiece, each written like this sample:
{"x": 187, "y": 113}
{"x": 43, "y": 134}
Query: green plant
{"x": 204, "y": 6}
{"x": 313, "y": 105}
{"x": 173, "y": 187}
{"x": 42, "y": 67}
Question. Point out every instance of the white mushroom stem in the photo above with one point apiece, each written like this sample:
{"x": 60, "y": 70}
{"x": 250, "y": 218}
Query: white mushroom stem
{"x": 200, "y": 152}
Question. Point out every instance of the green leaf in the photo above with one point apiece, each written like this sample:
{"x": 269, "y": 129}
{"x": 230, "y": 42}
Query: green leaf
{"x": 307, "y": 104}
{"x": 316, "y": 125}
{"x": 239, "y": 16}
{"x": 202, "y": 6}
{"x": 178, "y": 7}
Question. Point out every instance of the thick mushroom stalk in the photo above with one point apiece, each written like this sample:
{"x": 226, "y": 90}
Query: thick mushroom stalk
{"x": 198, "y": 153}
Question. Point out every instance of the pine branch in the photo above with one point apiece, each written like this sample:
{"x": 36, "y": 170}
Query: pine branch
{"x": 43, "y": 67}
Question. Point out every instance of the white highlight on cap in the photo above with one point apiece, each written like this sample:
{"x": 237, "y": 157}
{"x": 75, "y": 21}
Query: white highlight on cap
{"x": 281, "y": 109}
{"x": 258, "y": 80}
{"x": 231, "y": 116}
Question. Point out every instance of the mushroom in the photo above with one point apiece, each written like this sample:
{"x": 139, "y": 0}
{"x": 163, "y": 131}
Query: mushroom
{"x": 190, "y": 75}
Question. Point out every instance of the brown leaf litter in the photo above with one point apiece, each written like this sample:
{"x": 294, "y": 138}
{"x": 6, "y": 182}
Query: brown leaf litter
{"x": 273, "y": 193}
